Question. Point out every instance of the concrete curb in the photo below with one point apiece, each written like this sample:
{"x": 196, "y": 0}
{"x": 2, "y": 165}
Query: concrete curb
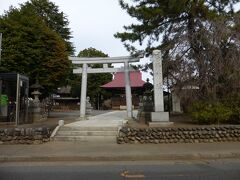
{"x": 169, "y": 157}
{"x": 54, "y": 132}
{"x": 60, "y": 124}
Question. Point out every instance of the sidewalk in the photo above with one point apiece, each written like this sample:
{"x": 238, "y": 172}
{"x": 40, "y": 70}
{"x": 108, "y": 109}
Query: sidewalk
{"x": 79, "y": 151}
{"x": 70, "y": 151}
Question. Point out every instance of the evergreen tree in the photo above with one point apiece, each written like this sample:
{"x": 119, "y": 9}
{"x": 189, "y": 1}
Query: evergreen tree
{"x": 32, "y": 48}
{"x": 198, "y": 39}
{"x": 54, "y": 19}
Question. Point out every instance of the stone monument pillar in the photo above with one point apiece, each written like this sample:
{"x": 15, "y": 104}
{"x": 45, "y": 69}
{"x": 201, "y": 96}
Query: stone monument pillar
{"x": 158, "y": 117}
{"x": 176, "y": 104}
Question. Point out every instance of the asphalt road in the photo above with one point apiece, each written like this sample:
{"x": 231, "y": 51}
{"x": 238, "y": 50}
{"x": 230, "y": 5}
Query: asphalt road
{"x": 211, "y": 170}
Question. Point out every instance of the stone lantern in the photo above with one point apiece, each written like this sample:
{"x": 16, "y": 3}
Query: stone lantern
{"x": 36, "y": 88}
{"x": 146, "y": 104}
{"x": 36, "y": 109}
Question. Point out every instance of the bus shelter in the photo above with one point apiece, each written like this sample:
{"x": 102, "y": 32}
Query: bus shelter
{"x": 14, "y": 98}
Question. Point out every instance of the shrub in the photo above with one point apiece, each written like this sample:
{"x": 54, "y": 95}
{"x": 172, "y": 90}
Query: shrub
{"x": 211, "y": 113}
{"x": 235, "y": 118}
{"x": 233, "y": 102}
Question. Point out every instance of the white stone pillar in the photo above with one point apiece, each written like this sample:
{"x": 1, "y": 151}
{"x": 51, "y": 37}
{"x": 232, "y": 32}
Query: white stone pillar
{"x": 159, "y": 117}
{"x": 158, "y": 80}
{"x": 83, "y": 92}
{"x": 128, "y": 90}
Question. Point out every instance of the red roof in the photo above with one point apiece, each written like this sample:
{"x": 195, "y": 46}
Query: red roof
{"x": 119, "y": 80}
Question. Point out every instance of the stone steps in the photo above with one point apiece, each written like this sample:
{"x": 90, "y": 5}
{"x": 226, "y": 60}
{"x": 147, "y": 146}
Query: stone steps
{"x": 88, "y": 128}
{"x": 86, "y": 138}
{"x": 87, "y": 134}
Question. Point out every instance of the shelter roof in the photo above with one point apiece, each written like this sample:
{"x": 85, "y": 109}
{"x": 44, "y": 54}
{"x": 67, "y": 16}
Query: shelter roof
{"x": 119, "y": 80}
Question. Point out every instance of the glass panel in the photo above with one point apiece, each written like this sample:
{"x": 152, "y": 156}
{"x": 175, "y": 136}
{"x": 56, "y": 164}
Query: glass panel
{"x": 23, "y": 100}
{"x": 8, "y": 90}
{"x": 8, "y": 99}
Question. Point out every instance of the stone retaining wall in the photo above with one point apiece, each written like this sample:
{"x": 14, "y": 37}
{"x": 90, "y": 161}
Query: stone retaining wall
{"x": 179, "y": 135}
{"x": 24, "y": 135}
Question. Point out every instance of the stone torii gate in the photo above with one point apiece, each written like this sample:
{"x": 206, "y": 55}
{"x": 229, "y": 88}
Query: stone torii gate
{"x": 84, "y": 61}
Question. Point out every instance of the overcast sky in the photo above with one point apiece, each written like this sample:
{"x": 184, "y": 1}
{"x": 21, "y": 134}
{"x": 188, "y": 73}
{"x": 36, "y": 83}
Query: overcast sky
{"x": 93, "y": 23}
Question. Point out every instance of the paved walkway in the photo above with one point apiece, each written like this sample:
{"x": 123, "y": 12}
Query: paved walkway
{"x": 109, "y": 119}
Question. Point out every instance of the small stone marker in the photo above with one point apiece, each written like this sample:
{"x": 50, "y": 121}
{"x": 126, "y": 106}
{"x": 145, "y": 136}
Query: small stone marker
{"x": 61, "y": 122}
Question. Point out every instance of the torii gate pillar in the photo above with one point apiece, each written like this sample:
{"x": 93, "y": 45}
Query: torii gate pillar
{"x": 128, "y": 91}
{"x": 83, "y": 91}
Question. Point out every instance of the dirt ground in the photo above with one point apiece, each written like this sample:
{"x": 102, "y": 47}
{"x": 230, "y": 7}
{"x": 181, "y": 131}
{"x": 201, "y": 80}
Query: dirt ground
{"x": 179, "y": 120}
{"x": 52, "y": 120}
